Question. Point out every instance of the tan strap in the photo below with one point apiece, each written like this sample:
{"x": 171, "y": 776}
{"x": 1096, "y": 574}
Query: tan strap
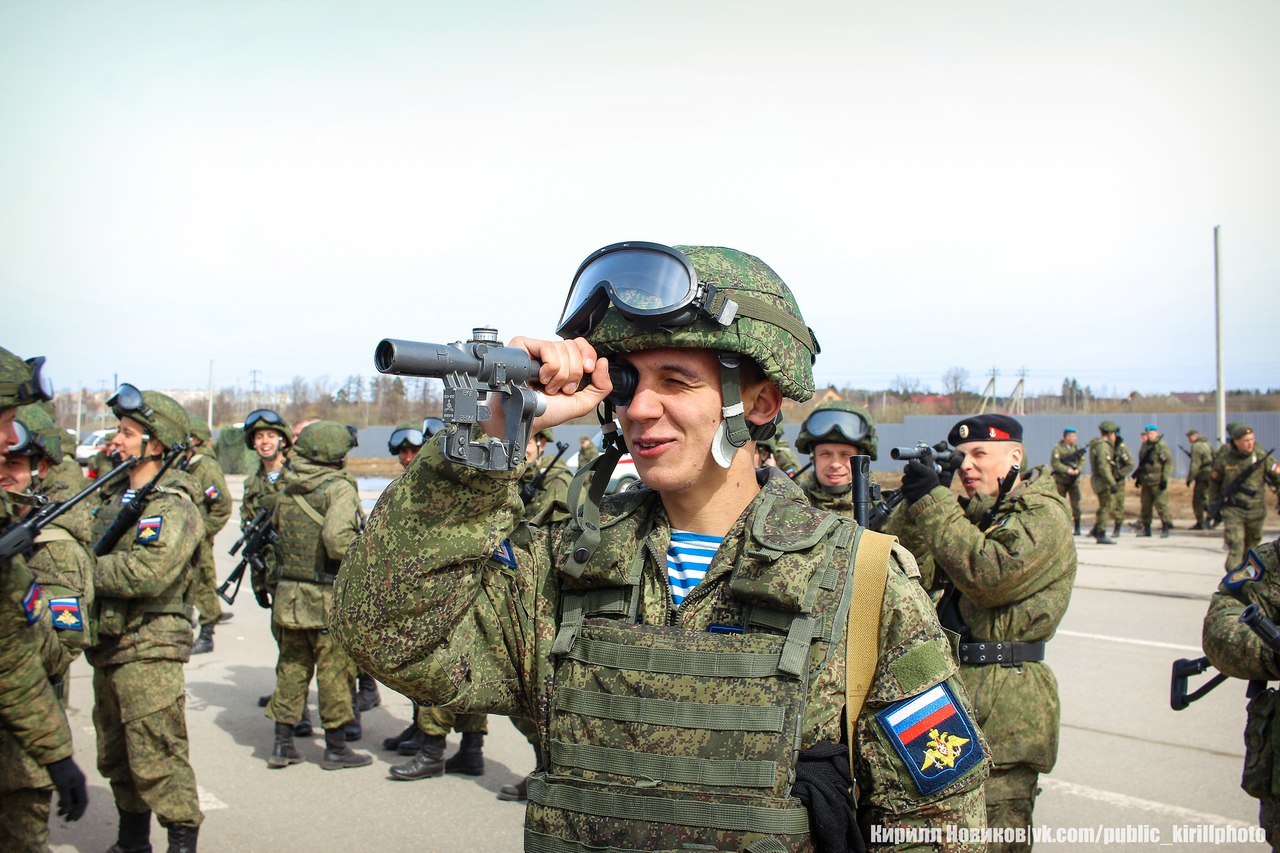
{"x": 54, "y": 534}
{"x": 862, "y": 640}
{"x": 311, "y": 511}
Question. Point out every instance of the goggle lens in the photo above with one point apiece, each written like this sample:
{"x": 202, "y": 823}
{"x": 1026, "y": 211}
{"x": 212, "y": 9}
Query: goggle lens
{"x": 822, "y": 423}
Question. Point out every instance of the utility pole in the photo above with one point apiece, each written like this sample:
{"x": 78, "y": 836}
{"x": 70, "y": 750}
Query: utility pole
{"x": 1221, "y": 395}
{"x": 989, "y": 393}
{"x": 79, "y": 409}
{"x": 254, "y": 375}
{"x": 209, "y": 419}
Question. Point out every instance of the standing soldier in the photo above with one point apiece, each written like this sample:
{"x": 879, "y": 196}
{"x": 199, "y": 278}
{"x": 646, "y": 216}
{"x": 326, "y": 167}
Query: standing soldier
{"x": 62, "y": 568}
{"x": 1155, "y": 467}
{"x": 1198, "y": 474}
{"x": 832, "y": 435}
{"x": 1225, "y": 448}
{"x": 587, "y": 450}
{"x": 1067, "y": 466}
{"x": 686, "y": 656}
{"x": 65, "y": 478}
{"x": 1122, "y": 465}
{"x": 1102, "y": 462}
{"x": 1009, "y": 562}
{"x": 1237, "y": 493}
{"x": 215, "y": 510}
{"x": 317, "y": 518}
{"x": 1237, "y": 651}
{"x": 143, "y": 585}
{"x": 544, "y": 486}
{"x": 100, "y": 463}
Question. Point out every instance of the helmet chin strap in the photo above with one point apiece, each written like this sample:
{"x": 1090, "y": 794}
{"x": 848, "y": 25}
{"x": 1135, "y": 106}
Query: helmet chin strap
{"x": 733, "y": 430}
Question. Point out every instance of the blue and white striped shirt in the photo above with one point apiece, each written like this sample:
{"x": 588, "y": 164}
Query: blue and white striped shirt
{"x": 687, "y": 561}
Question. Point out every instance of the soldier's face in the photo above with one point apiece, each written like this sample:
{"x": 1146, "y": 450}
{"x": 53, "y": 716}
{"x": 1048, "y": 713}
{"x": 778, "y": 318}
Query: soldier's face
{"x": 1070, "y": 438}
{"x": 986, "y": 463}
{"x": 15, "y": 474}
{"x": 406, "y": 454}
{"x": 127, "y": 442}
{"x": 8, "y": 436}
{"x": 831, "y": 463}
{"x": 266, "y": 442}
{"x": 1246, "y": 444}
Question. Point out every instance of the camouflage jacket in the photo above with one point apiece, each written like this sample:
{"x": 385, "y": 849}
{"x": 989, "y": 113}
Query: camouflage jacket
{"x": 841, "y": 504}
{"x": 64, "y": 480}
{"x": 553, "y": 488}
{"x": 1201, "y": 460}
{"x": 1238, "y": 652}
{"x": 260, "y": 493}
{"x": 1155, "y": 463}
{"x": 1061, "y": 470}
{"x": 1232, "y": 464}
{"x": 1122, "y": 461}
{"x": 143, "y": 585}
{"x": 1014, "y": 582}
{"x": 451, "y": 599}
{"x": 307, "y": 547}
{"x": 1102, "y": 455}
{"x": 215, "y": 502}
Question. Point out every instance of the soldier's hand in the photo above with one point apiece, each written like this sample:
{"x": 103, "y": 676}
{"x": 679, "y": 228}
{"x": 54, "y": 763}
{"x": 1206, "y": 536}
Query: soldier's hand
{"x": 1164, "y": 484}
{"x": 73, "y": 797}
{"x": 1074, "y": 472}
{"x": 263, "y": 597}
{"x": 918, "y": 479}
{"x": 1115, "y": 487}
{"x": 564, "y": 366}
{"x": 1188, "y": 482}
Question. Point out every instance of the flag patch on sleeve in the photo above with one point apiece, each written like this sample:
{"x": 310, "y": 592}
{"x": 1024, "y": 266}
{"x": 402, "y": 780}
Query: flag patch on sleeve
{"x": 31, "y": 603}
{"x": 505, "y": 554}
{"x": 66, "y": 614}
{"x": 933, "y": 736}
{"x": 149, "y": 529}
{"x": 212, "y": 494}
{"x": 1250, "y": 570}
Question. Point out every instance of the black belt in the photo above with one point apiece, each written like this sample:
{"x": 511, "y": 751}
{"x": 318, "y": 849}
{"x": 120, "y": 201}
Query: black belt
{"x": 1003, "y": 653}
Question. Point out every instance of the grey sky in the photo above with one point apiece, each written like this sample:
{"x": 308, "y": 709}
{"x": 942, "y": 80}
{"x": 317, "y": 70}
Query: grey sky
{"x": 277, "y": 185}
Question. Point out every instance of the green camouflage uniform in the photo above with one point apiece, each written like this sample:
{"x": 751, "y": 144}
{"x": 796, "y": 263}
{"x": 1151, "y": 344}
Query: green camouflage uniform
{"x": 215, "y": 511}
{"x": 586, "y": 454}
{"x": 1243, "y": 517}
{"x": 1014, "y": 583}
{"x": 1123, "y": 466}
{"x": 260, "y": 493}
{"x": 550, "y": 500}
{"x": 1238, "y": 652}
{"x": 840, "y": 504}
{"x": 307, "y": 558}
{"x": 1068, "y": 483}
{"x": 1155, "y": 469}
{"x": 1198, "y": 477}
{"x": 64, "y": 479}
{"x": 1103, "y": 477}
{"x": 143, "y": 589}
{"x": 455, "y": 537}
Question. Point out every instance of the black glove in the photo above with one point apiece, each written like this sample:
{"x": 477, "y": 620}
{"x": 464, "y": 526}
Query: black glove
{"x": 73, "y": 799}
{"x": 1164, "y": 484}
{"x": 950, "y": 467}
{"x": 918, "y": 479}
{"x": 1188, "y": 482}
{"x": 264, "y": 598}
{"x": 1115, "y": 487}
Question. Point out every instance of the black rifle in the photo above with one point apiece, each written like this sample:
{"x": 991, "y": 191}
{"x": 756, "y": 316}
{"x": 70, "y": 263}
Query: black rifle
{"x": 19, "y": 537}
{"x": 530, "y": 490}
{"x": 1253, "y": 618}
{"x": 1006, "y": 484}
{"x": 884, "y": 508}
{"x": 255, "y": 538}
{"x": 860, "y": 469}
{"x": 131, "y": 512}
{"x": 1235, "y": 487}
{"x": 1184, "y": 450}
{"x": 1144, "y": 459}
{"x": 1071, "y": 460}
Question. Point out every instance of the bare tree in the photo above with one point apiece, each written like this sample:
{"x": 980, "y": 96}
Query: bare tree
{"x": 955, "y": 381}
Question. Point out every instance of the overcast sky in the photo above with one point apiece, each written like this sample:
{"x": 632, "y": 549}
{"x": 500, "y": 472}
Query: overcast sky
{"x": 277, "y": 185}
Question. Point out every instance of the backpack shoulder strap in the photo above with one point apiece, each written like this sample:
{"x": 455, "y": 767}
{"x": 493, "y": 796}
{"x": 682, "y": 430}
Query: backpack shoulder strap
{"x": 862, "y": 639}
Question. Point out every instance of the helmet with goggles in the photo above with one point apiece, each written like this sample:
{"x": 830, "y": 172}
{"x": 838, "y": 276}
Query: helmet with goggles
{"x": 260, "y": 419}
{"x": 326, "y": 442}
{"x": 160, "y": 415}
{"x": 22, "y": 382}
{"x": 838, "y": 422}
{"x": 37, "y": 435}
{"x": 413, "y": 435}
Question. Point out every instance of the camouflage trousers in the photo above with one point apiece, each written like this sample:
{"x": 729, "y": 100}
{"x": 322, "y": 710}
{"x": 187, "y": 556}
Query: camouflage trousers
{"x": 438, "y": 722}
{"x": 1106, "y": 501}
{"x": 1011, "y": 797}
{"x": 1155, "y": 500}
{"x": 204, "y": 590}
{"x": 1242, "y": 530}
{"x": 1070, "y": 488}
{"x": 1200, "y": 499}
{"x": 24, "y": 820}
{"x": 139, "y": 712}
{"x": 305, "y": 652}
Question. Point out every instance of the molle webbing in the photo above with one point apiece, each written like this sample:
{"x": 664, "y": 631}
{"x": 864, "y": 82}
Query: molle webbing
{"x": 673, "y": 662}
{"x": 301, "y": 544}
{"x": 663, "y": 712}
{"x": 665, "y": 768}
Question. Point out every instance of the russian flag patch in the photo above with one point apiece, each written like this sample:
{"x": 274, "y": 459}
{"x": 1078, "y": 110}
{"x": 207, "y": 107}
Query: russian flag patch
{"x": 66, "y": 614}
{"x": 149, "y": 529}
{"x": 505, "y": 554}
{"x": 212, "y": 494}
{"x": 934, "y": 737}
{"x": 31, "y": 603}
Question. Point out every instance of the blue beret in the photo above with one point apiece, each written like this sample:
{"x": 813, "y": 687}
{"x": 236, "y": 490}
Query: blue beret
{"x": 1068, "y": 429}
{"x": 1151, "y": 428}
{"x": 985, "y": 428}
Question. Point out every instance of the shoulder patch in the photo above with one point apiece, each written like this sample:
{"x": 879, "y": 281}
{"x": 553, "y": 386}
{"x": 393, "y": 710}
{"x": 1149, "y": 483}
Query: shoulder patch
{"x": 149, "y": 529}
{"x": 211, "y": 494}
{"x": 1250, "y": 570}
{"x": 31, "y": 602}
{"x": 505, "y": 554}
{"x": 66, "y": 614}
{"x": 933, "y": 736}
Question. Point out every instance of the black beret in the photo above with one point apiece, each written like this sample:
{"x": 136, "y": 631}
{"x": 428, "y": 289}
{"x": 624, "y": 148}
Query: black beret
{"x": 985, "y": 428}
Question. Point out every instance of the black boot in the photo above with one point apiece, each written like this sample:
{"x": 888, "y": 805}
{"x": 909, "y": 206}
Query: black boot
{"x": 1164, "y": 530}
{"x": 1199, "y": 525}
{"x": 1116, "y": 531}
{"x": 1103, "y": 540}
{"x": 204, "y": 641}
{"x": 135, "y": 833}
{"x": 282, "y": 753}
{"x": 1144, "y": 531}
{"x": 517, "y": 793}
{"x": 354, "y": 730}
{"x": 1077, "y": 527}
{"x": 427, "y": 762}
{"x": 302, "y": 728}
{"x": 367, "y": 696}
{"x": 391, "y": 743}
{"x": 413, "y": 743}
{"x": 469, "y": 758}
{"x": 182, "y": 839}
{"x": 226, "y": 616}
{"x": 338, "y": 756}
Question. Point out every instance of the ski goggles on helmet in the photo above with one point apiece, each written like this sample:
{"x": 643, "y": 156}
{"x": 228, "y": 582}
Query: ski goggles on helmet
{"x": 837, "y": 425}
{"x": 128, "y": 401}
{"x": 414, "y": 437}
{"x": 37, "y": 389}
{"x": 28, "y": 443}
{"x": 650, "y": 284}
{"x": 267, "y": 417}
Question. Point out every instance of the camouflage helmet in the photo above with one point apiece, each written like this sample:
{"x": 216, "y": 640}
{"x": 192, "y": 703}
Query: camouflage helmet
{"x": 200, "y": 429}
{"x": 260, "y": 419}
{"x": 806, "y": 440}
{"x": 768, "y": 327}
{"x": 21, "y": 381}
{"x": 161, "y": 415}
{"x": 38, "y": 436}
{"x": 546, "y": 433}
{"x": 1108, "y": 426}
{"x": 326, "y": 442}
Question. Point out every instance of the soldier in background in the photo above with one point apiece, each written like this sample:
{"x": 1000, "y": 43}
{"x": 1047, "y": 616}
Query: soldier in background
{"x": 100, "y": 463}
{"x": 545, "y": 499}
{"x": 1102, "y": 458}
{"x": 1155, "y": 467}
{"x": 1067, "y": 474}
{"x": 201, "y": 463}
{"x": 1201, "y": 465}
{"x": 1244, "y": 513}
{"x": 1225, "y": 448}
{"x": 832, "y": 435}
{"x": 62, "y": 565}
{"x": 143, "y": 588}
{"x": 65, "y": 478}
{"x": 587, "y": 450}
{"x": 1123, "y": 466}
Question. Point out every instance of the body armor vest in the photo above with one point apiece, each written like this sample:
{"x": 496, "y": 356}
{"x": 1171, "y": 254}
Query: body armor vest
{"x": 301, "y": 551}
{"x": 662, "y": 737}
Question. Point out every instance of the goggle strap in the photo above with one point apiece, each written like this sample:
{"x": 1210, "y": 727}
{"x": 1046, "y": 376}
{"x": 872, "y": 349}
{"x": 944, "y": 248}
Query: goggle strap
{"x": 758, "y": 309}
